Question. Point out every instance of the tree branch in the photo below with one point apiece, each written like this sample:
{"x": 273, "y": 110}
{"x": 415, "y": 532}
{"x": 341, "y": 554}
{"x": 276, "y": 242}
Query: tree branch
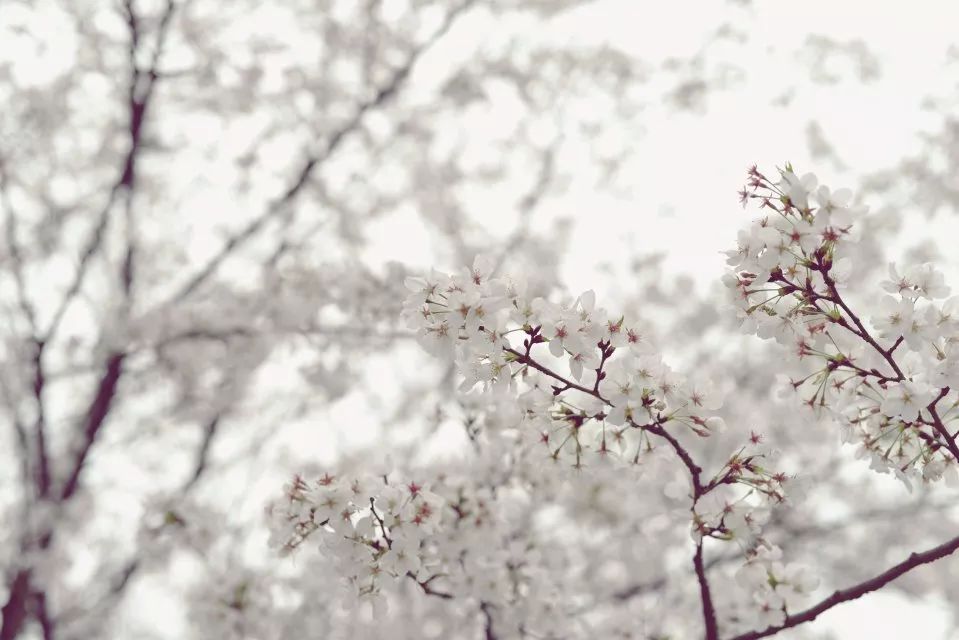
{"x": 845, "y": 595}
{"x": 15, "y": 610}
{"x": 43, "y": 478}
{"x": 96, "y": 416}
{"x": 47, "y": 625}
{"x": 940, "y": 427}
{"x": 695, "y": 473}
{"x": 428, "y": 589}
{"x": 203, "y": 455}
{"x": 524, "y": 359}
{"x": 488, "y": 633}
{"x": 861, "y": 332}
{"x": 709, "y": 613}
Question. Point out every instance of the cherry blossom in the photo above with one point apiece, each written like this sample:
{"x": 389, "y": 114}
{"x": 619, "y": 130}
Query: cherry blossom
{"x": 571, "y": 410}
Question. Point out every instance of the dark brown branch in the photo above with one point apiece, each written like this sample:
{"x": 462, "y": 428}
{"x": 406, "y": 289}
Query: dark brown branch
{"x": 940, "y": 427}
{"x": 488, "y": 633}
{"x": 887, "y": 354}
{"x": 43, "y": 478}
{"x": 42, "y": 613}
{"x": 695, "y": 472}
{"x": 862, "y": 332}
{"x": 99, "y": 409}
{"x": 15, "y": 610}
{"x": 428, "y": 588}
{"x": 569, "y": 384}
{"x": 845, "y": 595}
{"x": 711, "y": 627}
{"x": 22, "y": 601}
{"x": 709, "y": 613}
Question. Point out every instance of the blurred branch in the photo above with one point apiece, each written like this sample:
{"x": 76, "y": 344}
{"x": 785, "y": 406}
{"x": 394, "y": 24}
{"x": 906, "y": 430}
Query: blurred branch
{"x": 657, "y": 584}
{"x": 142, "y": 84}
{"x": 42, "y": 467}
{"x": 96, "y": 416}
{"x": 47, "y": 626}
{"x": 141, "y": 90}
{"x": 15, "y": 610}
{"x": 23, "y": 448}
{"x": 281, "y": 205}
{"x": 43, "y": 478}
{"x": 203, "y": 454}
{"x": 13, "y": 248}
{"x": 488, "y": 633}
{"x": 530, "y": 201}
{"x": 123, "y": 578}
{"x": 223, "y": 335}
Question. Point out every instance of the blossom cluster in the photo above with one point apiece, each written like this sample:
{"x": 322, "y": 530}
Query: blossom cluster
{"x": 370, "y": 529}
{"x": 775, "y": 588}
{"x": 458, "y": 539}
{"x": 887, "y": 380}
{"x": 569, "y": 408}
{"x": 479, "y": 321}
{"x": 618, "y": 403}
